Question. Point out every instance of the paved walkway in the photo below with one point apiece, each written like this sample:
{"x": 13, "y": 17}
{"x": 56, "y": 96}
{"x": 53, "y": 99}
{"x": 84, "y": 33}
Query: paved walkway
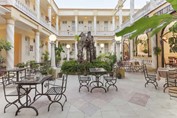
{"x": 132, "y": 100}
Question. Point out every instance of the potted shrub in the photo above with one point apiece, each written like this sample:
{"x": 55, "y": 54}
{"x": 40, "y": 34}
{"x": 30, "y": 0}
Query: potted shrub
{"x": 4, "y": 45}
{"x": 58, "y": 51}
{"x": 21, "y": 65}
{"x": 145, "y": 50}
{"x": 157, "y": 50}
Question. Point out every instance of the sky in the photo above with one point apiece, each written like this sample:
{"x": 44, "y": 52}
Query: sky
{"x": 97, "y": 3}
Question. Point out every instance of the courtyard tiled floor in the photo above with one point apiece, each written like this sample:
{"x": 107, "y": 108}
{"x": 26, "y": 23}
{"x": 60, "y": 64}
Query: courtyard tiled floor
{"x": 132, "y": 100}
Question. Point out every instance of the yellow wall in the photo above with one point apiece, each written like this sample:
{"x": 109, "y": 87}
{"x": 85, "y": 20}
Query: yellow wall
{"x": 17, "y": 48}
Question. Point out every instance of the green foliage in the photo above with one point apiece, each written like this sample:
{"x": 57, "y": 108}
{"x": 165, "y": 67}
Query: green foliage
{"x": 157, "y": 50}
{"x": 69, "y": 67}
{"x": 58, "y": 51}
{"x": 2, "y": 60}
{"x": 173, "y": 44}
{"x": 173, "y": 3}
{"x": 21, "y": 65}
{"x": 4, "y": 44}
{"x": 45, "y": 56}
{"x": 145, "y": 50}
{"x": 76, "y": 37}
{"x": 32, "y": 64}
{"x": 73, "y": 67}
{"x": 156, "y": 23}
{"x": 173, "y": 28}
{"x": 108, "y": 58}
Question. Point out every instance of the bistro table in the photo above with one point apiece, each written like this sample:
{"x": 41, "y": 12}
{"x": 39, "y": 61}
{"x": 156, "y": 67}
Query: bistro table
{"x": 15, "y": 70}
{"x": 26, "y": 86}
{"x": 163, "y": 72}
{"x": 97, "y": 72}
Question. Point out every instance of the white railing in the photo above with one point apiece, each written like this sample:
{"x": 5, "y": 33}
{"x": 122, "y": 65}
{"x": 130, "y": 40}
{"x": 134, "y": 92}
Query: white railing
{"x": 25, "y": 9}
{"x": 147, "y": 61}
{"x": 147, "y": 8}
{"x": 104, "y": 33}
{"x": 44, "y": 22}
{"x": 5, "y": 2}
{"x": 54, "y": 30}
{"x": 66, "y": 33}
{"x": 142, "y": 12}
{"x": 125, "y": 24}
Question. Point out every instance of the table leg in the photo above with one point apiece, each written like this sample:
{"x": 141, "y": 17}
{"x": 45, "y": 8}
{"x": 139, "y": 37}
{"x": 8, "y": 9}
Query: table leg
{"x": 97, "y": 85}
{"x": 26, "y": 104}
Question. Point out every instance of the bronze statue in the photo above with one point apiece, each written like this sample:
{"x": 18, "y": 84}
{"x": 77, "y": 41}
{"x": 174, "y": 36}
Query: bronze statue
{"x": 87, "y": 43}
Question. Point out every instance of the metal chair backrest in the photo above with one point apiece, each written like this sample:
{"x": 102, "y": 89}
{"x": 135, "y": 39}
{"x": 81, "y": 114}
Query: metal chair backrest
{"x": 8, "y": 87}
{"x": 145, "y": 71}
{"x": 64, "y": 82}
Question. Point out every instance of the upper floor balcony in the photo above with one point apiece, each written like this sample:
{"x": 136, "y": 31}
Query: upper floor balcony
{"x": 98, "y": 33}
{"x": 143, "y": 12}
{"x": 24, "y": 8}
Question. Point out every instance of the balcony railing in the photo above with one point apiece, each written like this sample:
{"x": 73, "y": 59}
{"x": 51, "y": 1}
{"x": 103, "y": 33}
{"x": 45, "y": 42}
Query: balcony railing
{"x": 27, "y": 11}
{"x": 98, "y": 33}
{"x": 104, "y": 33}
{"x": 44, "y": 22}
{"x": 66, "y": 33}
{"x": 147, "y": 61}
{"x": 142, "y": 12}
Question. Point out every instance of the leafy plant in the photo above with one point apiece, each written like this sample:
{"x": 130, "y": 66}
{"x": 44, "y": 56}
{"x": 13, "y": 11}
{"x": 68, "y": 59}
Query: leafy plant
{"x": 4, "y": 45}
{"x": 21, "y": 65}
{"x": 156, "y": 23}
{"x": 32, "y": 64}
{"x": 157, "y": 50}
{"x": 45, "y": 56}
{"x": 173, "y": 44}
{"x": 58, "y": 51}
{"x": 145, "y": 50}
{"x": 76, "y": 37}
{"x": 72, "y": 67}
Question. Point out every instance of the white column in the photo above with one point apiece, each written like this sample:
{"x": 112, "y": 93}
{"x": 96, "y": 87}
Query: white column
{"x": 49, "y": 49}
{"x": 120, "y": 18}
{"x": 56, "y": 43}
{"x": 113, "y": 23}
{"x": 76, "y": 50}
{"x": 53, "y": 65}
{"x": 76, "y": 25}
{"x": 131, "y": 49}
{"x": 131, "y": 21}
{"x": 68, "y": 54}
{"x": 50, "y": 15}
{"x": 132, "y": 4}
{"x": 97, "y": 51}
{"x": 57, "y": 23}
{"x": 38, "y": 9}
{"x": 10, "y": 32}
{"x": 95, "y": 20}
{"x": 37, "y": 45}
{"x": 118, "y": 51}
{"x": 154, "y": 57}
{"x": 114, "y": 47}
